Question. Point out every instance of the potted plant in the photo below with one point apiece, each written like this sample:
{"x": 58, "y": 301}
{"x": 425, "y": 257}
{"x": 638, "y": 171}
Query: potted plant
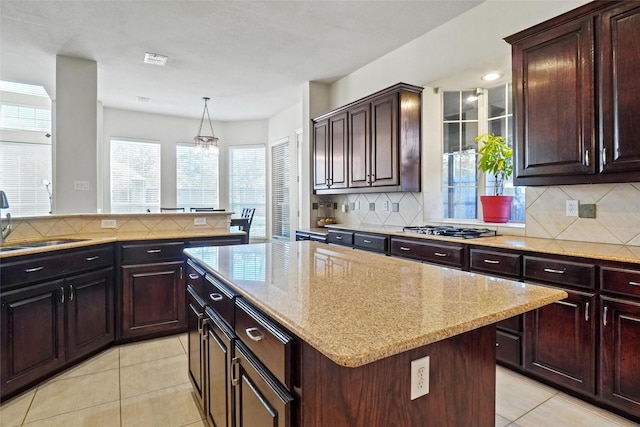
{"x": 496, "y": 159}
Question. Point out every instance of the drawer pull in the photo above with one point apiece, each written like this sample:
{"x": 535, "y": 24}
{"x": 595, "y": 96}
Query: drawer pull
{"x": 216, "y": 296}
{"x": 92, "y": 258}
{"x": 154, "y": 251}
{"x": 551, "y": 270}
{"x": 71, "y": 293}
{"x": 497, "y": 344}
{"x": 491, "y": 261}
{"x": 634, "y": 283}
{"x": 33, "y": 270}
{"x": 604, "y": 316}
{"x": 568, "y": 304}
{"x": 338, "y": 237}
{"x": 586, "y": 312}
{"x": 193, "y": 276}
{"x": 441, "y": 254}
{"x": 367, "y": 241}
{"x": 404, "y": 248}
{"x": 62, "y": 295}
{"x": 254, "y": 334}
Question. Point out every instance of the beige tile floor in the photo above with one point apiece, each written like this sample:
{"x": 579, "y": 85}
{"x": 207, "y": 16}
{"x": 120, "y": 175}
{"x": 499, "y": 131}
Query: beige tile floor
{"x": 145, "y": 384}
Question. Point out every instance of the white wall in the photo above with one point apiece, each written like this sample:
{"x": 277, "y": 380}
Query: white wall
{"x": 169, "y": 130}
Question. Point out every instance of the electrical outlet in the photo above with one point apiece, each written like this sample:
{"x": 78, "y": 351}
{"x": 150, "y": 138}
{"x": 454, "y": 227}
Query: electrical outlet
{"x": 200, "y": 221}
{"x": 352, "y": 206}
{"x": 81, "y": 185}
{"x": 372, "y": 206}
{"x": 419, "y": 377}
{"x": 385, "y": 205}
{"x": 108, "y": 223}
{"x": 571, "y": 208}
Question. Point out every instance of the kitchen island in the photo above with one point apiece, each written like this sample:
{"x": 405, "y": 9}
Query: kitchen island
{"x": 358, "y": 320}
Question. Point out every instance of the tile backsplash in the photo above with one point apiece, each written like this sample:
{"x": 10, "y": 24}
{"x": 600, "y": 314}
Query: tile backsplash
{"x": 617, "y": 218}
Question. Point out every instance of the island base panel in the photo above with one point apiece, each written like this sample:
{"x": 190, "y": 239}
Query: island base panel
{"x": 462, "y": 387}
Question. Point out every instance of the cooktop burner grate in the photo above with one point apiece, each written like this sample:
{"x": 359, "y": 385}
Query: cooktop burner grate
{"x": 451, "y": 231}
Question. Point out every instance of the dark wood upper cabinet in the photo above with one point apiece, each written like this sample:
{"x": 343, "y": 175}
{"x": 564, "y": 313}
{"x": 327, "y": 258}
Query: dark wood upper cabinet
{"x": 575, "y": 87}
{"x": 380, "y": 135}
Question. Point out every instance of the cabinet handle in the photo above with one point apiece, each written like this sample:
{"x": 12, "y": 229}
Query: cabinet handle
{"x": 205, "y": 322}
{"x": 154, "y": 251}
{"x": 491, "y": 261}
{"x": 338, "y": 237}
{"x": 181, "y": 273}
{"x": 441, "y": 254}
{"x": 234, "y": 365}
{"x": 551, "y": 270}
{"x": 366, "y": 241}
{"x": 497, "y": 344}
{"x": 254, "y": 334}
{"x": 193, "y": 276}
{"x": 604, "y": 156}
{"x": 604, "y": 316}
{"x": 62, "y": 295}
{"x": 71, "y": 292}
{"x": 586, "y": 312}
{"x": 33, "y": 270}
{"x": 200, "y": 322}
{"x": 92, "y": 258}
{"x": 634, "y": 283}
{"x": 404, "y": 248}
{"x": 216, "y": 296}
{"x": 586, "y": 158}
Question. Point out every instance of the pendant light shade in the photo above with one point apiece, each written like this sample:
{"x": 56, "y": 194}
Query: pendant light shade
{"x": 206, "y": 143}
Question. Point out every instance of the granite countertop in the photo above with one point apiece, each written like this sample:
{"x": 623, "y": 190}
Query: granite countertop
{"x": 357, "y": 309}
{"x": 83, "y": 240}
{"x": 601, "y": 251}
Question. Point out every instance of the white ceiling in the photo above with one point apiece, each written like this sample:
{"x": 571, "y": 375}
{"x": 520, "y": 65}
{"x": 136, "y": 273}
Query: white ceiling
{"x": 250, "y": 57}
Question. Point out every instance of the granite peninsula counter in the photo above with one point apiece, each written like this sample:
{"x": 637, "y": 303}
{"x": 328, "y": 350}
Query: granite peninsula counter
{"x": 361, "y": 318}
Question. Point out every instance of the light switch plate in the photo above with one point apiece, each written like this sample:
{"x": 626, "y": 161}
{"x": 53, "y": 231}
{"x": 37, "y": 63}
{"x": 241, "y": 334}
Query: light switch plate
{"x": 372, "y": 206}
{"x": 587, "y": 210}
{"x": 200, "y": 221}
{"x": 81, "y": 185}
{"x": 108, "y": 223}
{"x": 395, "y": 207}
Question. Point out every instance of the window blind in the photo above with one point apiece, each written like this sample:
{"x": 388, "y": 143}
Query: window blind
{"x": 23, "y": 168}
{"x": 196, "y": 178}
{"x": 280, "y": 178}
{"x": 135, "y": 176}
{"x": 22, "y": 117}
{"x": 247, "y": 184}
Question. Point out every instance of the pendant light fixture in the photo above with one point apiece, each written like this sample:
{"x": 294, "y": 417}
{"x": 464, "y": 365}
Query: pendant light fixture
{"x": 206, "y": 143}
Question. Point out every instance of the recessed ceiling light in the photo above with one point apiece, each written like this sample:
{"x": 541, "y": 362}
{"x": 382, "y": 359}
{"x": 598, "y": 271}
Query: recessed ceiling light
{"x": 143, "y": 99}
{"x": 155, "y": 59}
{"x": 491, "y": 76}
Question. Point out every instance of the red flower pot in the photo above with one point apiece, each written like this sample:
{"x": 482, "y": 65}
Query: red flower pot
{"x": 496, "y": 208}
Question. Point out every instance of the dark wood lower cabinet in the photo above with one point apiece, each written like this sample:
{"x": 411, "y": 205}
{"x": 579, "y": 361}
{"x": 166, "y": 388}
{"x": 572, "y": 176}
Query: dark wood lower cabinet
{"x": 153, "y": 299}
{"x": 219, "y": 403}
{"x": 620, "y": 354}
{"x": 195, "y": 319}
{"x": 560, "y": 343}
{"x": 32, "y": 334}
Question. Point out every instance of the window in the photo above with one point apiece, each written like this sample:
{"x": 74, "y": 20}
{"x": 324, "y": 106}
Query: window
{"x": 25, "y": 176}
{"x": 196, "y": 178}
{"x": 247, "y": 184}
{"x": 500, "y": 122}
{"x": 280, "y": 208}
{"x": 23, "y": 117}
{"x": 464, "y": 118}
{"x": 135, "y": 176}
{"x": 460, "y": 155}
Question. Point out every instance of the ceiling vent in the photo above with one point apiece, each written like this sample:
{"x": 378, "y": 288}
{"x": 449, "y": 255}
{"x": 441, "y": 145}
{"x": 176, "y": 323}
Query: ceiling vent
{"x": 155, "y": 59}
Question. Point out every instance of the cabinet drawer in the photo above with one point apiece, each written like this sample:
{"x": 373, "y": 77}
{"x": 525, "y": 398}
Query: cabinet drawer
{"x": 220, "y": 298}
{"x": 267, "y": 341}
{"x": 133, "y": 253}
{"x": 620, "y": 281}
{"x": 340, "y": 237}
{"x": 64, "y": 263}
{"x": 371, "y": 242}
{"x": 195, "y": 277}
{"x": 439, "y": 253}
{"x": 563, "y": 273}
{"x": 499, "y": 263}
{"x": 508, "y": 348}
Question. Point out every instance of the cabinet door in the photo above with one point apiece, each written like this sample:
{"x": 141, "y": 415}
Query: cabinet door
{"x": 360, "y": 147}
{"x": 619, "y": 350}
{"x": 321, "y": 155}
{"x": 560, "y": 342}
{"x": 619, "y": 47}
{"x": 195, "y": 335}
{"x": 384, "y": 141}
{"x": 32, "y": 334}
{"x": 153, "y": 299}
{"x": 553, "y": 75}
{"x": 260, "y": 400}
{"x": 90, "y": 312}
{"x": 219, "y": 352}
{"x": 338, "y": 140}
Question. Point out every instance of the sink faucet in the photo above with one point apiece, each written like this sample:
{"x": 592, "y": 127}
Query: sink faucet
{"x": 4, "y": 230}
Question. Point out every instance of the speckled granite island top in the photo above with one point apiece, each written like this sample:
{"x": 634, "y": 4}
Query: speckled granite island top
{"x": 357, "y": 307}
